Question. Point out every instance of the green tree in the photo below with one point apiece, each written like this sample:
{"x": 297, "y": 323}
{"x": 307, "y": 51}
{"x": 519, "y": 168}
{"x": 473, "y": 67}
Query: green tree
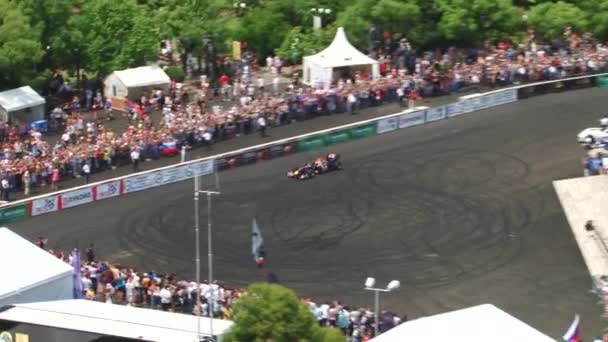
{"x": 263, "y": 30}
{"x": 597, "y": 11}
{"x": 20, "y": 46}
{"x": 299, "y": 43}
{"x": 549, "y": 19}
{"x": 116, "y": 35}
{"x": 269, "y": 312}
{"x": 472, "y": 22}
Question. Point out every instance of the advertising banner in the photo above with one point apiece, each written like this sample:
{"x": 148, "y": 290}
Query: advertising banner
{"x": 435, "y": 114}
{"x": 387, "y": 125}
{"x": 363, "y": 131}
{"x": 12, "y": 214}
{"x": 412, "y": 119}
{"x": 177, "y": 174}
{"x": 486, "y": 101}
{"x": 337, "y": 137}
{"x": 74, "y": 198}
{"x": 142, "y": 182}
{"x": 601, "y": 81}
{"x": 107, "y": 190}
{"x": 453, "y": 109}
{"x": 469, "y": 105}
{"x": 504, "y": 97}
{"x": 281, "y": 150}
{"x": 310, "y": 144}
{"x": 249, "y": 158}
{"x": 44, "y": 205}
{"x": 201, "y": 168}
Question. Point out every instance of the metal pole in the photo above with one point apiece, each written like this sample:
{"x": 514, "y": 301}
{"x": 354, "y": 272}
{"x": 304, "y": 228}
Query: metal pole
{"x": 376, "y": 310}
{"x": 198, "y": 256}
{"x": 210, "y": 259}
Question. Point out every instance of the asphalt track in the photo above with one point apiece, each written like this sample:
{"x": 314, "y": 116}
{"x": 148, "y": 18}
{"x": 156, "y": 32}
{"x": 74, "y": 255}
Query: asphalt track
{"x": 461, "y": 211}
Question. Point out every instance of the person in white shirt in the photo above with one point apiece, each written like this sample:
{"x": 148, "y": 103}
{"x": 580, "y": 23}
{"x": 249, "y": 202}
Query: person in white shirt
{"x": 165, "y": 299}
{"x": 86, "y": 172}
{"x": 262, "y": 125}
{"x": 135, "y": 159}
{"x": 604, "y": 122}
{"x": 275, "y": 84}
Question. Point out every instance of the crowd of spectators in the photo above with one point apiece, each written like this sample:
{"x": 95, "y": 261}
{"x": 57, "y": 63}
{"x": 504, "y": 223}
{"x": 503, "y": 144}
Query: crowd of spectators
{"x": 241, "y": 103}
{"x": 103, "y": 281}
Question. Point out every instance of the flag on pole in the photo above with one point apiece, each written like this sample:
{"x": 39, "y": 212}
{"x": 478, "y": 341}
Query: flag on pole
{"x": 76, "y": 275}
{"x": 257, "y": 242}
{"x": 573, "y": 334}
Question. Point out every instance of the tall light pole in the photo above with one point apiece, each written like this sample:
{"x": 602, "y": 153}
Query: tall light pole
{"x": 317, "y": 13}
{"x": 198, "y": 191}
{"x": 369, "y": 285}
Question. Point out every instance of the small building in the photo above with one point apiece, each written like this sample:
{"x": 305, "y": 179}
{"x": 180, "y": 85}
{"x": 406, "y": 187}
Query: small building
{"x": 21, "y": 106}
{"x": 31, "y": 273}
{"x": 133, "y": 83}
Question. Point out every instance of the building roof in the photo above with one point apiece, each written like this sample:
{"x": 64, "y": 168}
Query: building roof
{"x": 29, "y": 265}
{"x": 341, "y": 53}
{"x": 143, "y": 76}
{"x": 115, "y": 320}
{"x": 480, "y": 323}
{"x": 20, "y": 98}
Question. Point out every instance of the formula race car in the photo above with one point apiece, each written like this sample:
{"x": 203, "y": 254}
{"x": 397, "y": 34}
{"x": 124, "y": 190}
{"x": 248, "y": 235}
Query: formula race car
{"x": 321, "y": 165}
{"x": 592, "y": 136}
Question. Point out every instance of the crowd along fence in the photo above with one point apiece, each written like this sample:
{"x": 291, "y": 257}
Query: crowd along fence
{"x": 107, "y": 189}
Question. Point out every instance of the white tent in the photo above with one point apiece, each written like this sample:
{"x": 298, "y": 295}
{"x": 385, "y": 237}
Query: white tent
{"x": 115, "y": 320}
{"x": 21, "y": 104}
{"x": 30, "y": 273}
{"x": 480, "y": 323}
{"x": 319, "y": 69}
{"x": 133, "y": 83}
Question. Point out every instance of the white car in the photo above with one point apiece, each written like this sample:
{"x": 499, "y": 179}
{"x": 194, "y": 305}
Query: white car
{"x": 591, "y": 136}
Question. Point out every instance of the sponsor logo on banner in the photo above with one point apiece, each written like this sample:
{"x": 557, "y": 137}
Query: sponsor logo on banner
{"x": 469, "y": 105}
{"x": 453, "y": 109}
{"x": 13, "y": 214}
{"x": 434, "y": 114}
{"x": 504, "y": 97}
{"x": 175, "y": 175}
{"x": 142, "y": 182}
{"x": 107, "y": 190}
{"x": 388, "y": 125}
{"x": 205, "y": 167}
{"x": 76, "y": 197}
{"x": 411, "y": 119}
{"x": 486, "y": 102}
{"x": 337, "y": 137}
{"x": 45, "y": 205}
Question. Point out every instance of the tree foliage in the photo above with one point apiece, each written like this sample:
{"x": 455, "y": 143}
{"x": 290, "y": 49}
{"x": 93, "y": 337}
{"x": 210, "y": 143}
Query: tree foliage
{"x": 117, "y": 34}
{"x": 550, "y": 18}
{"x": 269, "y": 312}
{"x": 20, "y": 46}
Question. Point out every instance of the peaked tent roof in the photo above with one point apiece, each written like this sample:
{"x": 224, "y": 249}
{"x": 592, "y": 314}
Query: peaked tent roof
{"x": 30, "y": 265}
{"x": 480, "y": 323}
{"x": 341, "y": 53}
{"x": 142, "y": 76}
{"x": 20, "y": 98}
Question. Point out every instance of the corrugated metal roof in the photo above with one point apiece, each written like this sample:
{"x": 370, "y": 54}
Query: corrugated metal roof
{"x": 20, "y": 98}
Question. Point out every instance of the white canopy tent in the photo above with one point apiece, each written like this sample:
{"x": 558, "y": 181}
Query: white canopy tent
{"x": 480, "y": 323}
{"x": 32, "y": 274}
{"x": 318, "y": 69}
{"x": 21, "y": 104}
{"x": 115, "y": 320}
{"x": 135, "y": 82}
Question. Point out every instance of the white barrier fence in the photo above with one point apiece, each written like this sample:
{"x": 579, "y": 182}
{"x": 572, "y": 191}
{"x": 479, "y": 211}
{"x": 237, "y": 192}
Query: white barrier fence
{"x": 116, "y": 187}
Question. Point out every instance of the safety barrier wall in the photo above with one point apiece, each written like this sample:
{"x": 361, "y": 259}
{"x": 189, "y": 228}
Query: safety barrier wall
{"x": 120, "y": 186}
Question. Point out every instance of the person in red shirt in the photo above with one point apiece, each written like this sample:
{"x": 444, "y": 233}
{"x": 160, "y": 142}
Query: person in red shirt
{"x": 224, "y": 79}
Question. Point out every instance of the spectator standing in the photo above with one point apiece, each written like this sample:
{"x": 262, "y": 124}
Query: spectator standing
{"x": 26, "y": 179}
{"x": 6, "y": 188}
{"x": 86, "y": 172}
{"x": 54, "y": 178}
{"x": 262, "y": 125}
{"x": 90, "y": 252}
{"x": 135, "y": 159}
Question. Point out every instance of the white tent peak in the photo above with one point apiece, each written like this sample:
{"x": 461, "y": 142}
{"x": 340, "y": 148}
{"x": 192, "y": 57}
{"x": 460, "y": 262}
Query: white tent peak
{"x": 342, "y": 53}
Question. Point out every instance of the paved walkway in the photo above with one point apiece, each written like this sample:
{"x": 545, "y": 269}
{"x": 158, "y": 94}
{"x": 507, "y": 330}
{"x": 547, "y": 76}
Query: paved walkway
{"x": 586, "y": 199}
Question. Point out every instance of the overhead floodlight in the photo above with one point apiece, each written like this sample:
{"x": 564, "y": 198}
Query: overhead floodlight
{"x": 393, "y": 285}
{"x": 370, "y": 282}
